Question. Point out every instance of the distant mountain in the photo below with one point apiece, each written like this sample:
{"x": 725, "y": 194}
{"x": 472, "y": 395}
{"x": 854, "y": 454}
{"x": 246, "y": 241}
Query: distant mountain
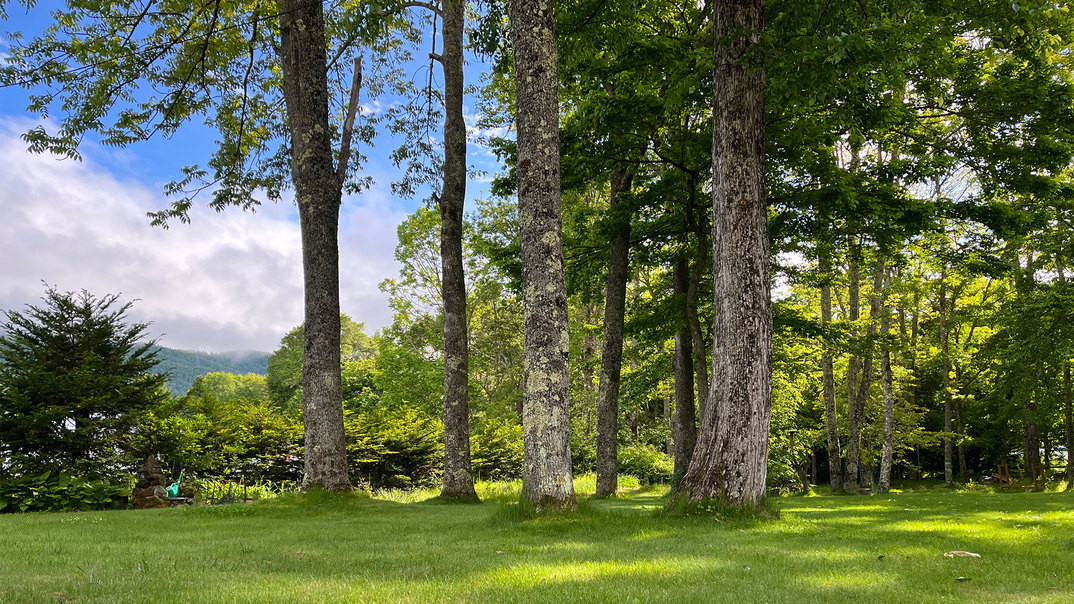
{"x": 187, "y": 365}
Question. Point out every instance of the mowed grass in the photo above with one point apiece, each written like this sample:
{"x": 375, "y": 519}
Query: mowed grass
{"x": 321, "y": 548}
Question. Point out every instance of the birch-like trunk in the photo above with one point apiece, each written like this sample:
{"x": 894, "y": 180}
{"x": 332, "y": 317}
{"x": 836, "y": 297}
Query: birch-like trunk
{"x": 547, "y": 479}
{"x": 611, "y": 360}
{"x": 458, "y": 474}
{"x": 730, "y": 461}
{"x": 318, "y": 191}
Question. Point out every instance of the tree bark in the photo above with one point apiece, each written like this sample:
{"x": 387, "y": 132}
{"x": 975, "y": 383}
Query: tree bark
{"x": 685, "y": 414}
{"x": 960, "y": 426}
{"x": 611, "y": 360}
{"x": 458, "y": 475}
{"x": 303, "y": 62}
{"x": 1031, "y": 434}
{"x": 827, "y": 361}
{"x": 862, "y": 392}
{"x": 731, "y": 458}
{"x": 889, "y": 403}
{"x": 1068, "y": 420}
{"x": 693, "y": 319}
{"x": 854, "y": 420}
{"x": 945, "y": 367}
{"x": 547, "y": 479}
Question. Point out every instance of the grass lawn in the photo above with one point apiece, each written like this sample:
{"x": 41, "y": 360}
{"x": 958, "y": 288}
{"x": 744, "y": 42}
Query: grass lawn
{"x": 322, "y": 548}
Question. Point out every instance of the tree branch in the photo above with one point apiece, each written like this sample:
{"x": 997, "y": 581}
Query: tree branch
{"x": 348, "y": 124}
{"x": 427, "y": 5}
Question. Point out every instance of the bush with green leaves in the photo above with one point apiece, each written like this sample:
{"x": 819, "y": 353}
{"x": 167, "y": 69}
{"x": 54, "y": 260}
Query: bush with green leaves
{"x": 240, "y": 438}
{"x": 646, "y": 462}
{"x": 496, "y": 450}
{"x": 51, "y": 492}
{"x": 394, "y": 448}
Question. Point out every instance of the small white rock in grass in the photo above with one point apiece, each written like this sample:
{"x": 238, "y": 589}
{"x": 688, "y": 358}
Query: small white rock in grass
{"x": 961, "y": 554}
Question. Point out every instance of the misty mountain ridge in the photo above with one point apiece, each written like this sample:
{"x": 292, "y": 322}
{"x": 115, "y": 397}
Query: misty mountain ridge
{"x": 186, "y": 366}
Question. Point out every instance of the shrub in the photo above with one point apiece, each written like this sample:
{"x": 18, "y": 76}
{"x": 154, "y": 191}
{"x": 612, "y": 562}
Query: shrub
{"x": 496, "y": 450}
{"x": 646, "y": 462}
{"x": 50, "y": 492}
{"x": 394, "y": 449}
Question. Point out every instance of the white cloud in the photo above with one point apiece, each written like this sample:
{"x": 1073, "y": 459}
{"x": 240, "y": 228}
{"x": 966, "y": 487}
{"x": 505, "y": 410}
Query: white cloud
{"x": 228, "y": 281}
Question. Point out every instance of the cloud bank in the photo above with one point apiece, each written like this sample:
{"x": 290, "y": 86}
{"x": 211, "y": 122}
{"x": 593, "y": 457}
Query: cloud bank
{"x": 228, "y": 281}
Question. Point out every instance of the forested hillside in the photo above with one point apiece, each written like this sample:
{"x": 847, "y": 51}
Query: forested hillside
{"x": 184, "y": 366}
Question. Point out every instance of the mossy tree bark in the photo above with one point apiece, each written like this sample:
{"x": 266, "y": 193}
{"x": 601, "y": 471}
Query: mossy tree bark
{"x": 611, "y": 360}
{"x": 318, "y": 189}
{"x": 730, "y": 461}
{"x": 458, "y": 473}
{"x": 547, "y": 479}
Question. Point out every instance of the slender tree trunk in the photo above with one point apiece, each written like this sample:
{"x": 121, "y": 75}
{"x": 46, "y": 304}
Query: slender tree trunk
{"x": 854, "y": 419}
{"x": 827, "y": 361}
{"x": 862, "y": 391}
{"x": 669, "y": 419}
{"x": 303, "y": 63}
{"x": 889, "y": 403}
{"x": 960, "y": 426}
{"x": 1068, "y": 420}
{"x": 611, "y": 360}
{"x": 731, "y": 458}
{"x": 547, "y": 479}
{"x": 685, "y": 415}
{"x": 945, "y": 367}
{"x": 458, "y": 476}
{"x": 589, "y": 375}
{"x": 693, "y": 319}
{"x": 1031, "y": 433}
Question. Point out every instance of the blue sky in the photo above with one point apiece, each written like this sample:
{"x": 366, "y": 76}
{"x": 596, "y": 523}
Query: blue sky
{"x": 228, "y": 281}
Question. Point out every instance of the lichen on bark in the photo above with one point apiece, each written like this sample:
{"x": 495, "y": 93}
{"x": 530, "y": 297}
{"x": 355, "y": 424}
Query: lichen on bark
{"x": 547, "y": 482}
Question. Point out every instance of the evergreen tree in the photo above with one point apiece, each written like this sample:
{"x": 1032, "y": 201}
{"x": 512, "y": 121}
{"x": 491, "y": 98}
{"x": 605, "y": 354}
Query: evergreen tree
{"x": 74, "y": 376}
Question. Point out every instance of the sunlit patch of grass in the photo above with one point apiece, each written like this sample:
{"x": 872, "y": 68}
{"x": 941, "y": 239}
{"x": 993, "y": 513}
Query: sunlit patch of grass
{"x": 392, "y": 547}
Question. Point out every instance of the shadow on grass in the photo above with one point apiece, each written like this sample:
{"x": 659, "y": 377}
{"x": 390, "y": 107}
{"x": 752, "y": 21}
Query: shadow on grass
{"x": 319, "y": 547}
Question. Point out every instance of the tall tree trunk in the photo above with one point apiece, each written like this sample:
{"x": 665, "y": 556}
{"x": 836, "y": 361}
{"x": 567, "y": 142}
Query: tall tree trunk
{"x": 303, "y": 61}
{"x": 1031, "y": 434}
{"x": 731, "y": 458}
{"x": 827, "y": 361}
{"x": 611, "y": 360}
{"x": 693, "y": 319}
{"x": 458, "y": 476}
{"x": 854, "y": 420}
{"x": 1068, "y": 420}
{"x": 889, "y": 402}
{"x": 960, "y": 426}
{"x": 867, "y": 366}
{"x": 945, "y": 367}
{"x": 685, "y": 415}
{"x": 669, "y": 418}
{"x": 547, "y": 478}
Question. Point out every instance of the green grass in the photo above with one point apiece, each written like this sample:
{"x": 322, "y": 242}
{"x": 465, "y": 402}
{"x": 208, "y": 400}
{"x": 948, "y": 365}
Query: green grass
{"x": 324, "y": 548}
